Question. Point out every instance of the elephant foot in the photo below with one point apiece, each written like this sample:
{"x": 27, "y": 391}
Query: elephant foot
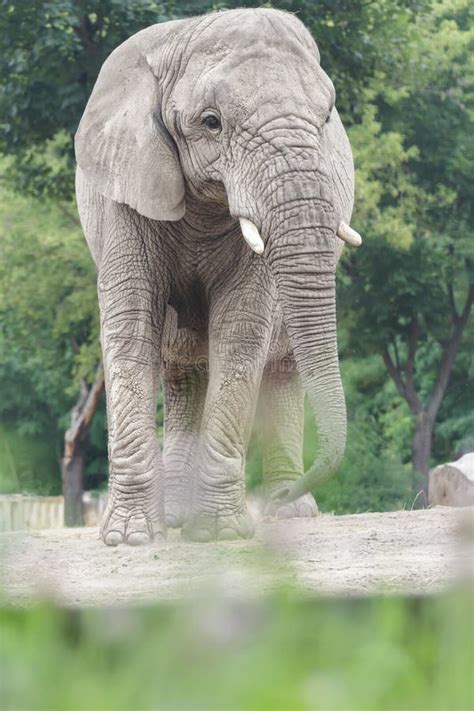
{"x": 304, "y": 507}
{"x": 129, "y": 524}
{"x": 175, "y": 514}
{"x": 203, "y": 528}
{"x": 177, "y": 502}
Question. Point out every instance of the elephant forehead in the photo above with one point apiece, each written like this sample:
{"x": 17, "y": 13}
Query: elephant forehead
{"x": 239, "y": 29}
{"x": 261, "y": 83}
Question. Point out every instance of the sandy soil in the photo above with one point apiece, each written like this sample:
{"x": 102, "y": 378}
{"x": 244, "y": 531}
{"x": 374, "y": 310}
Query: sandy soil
{"x": 400, "y": 552}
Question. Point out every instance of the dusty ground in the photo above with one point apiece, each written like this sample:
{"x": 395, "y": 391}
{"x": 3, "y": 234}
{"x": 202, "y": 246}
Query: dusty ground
{"x": 400, "y": 552}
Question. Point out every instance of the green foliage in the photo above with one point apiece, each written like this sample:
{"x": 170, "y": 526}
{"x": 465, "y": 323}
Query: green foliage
{"x": 49, "y": 336}
{"x": 373, "y": 475}
{"x": 455, "y": 425}
{"x": 394, "y": 653}
{"x": 28, "y": 464}
{"x": 48, "y": 304}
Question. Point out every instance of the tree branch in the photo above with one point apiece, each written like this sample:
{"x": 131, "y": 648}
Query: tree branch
{"x": 412, "y": 345}
{"x": 397, "y": 357}
{"x": 349, "y": 267}
{"x": 83, "y": 412}
{"x": 449, "y": 355}
{"x": 407, "y": 393}
{"x": 452, "y": 303}
{"x": 467, "y": 305}
{"x": 74, "y": 346}
{"x": 85, "y": 32}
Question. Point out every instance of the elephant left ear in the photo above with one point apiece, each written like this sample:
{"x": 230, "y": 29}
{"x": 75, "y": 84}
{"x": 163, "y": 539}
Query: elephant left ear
{"x": 122, "y": 146}
{"x": 338, "y": 150}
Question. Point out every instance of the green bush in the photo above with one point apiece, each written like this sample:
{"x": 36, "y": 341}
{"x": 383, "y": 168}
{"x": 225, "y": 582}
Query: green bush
{"x": 283, "y": 654}
{"x": 28, "y": 464}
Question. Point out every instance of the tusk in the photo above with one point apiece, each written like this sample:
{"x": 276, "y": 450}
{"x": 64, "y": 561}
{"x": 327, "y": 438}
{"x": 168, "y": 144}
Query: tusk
{"x": 251, "y": 235}
{"x": 347, "y": 234}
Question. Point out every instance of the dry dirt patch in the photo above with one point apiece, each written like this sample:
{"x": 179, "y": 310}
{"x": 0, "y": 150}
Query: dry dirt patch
{"x": 399, "y": 552}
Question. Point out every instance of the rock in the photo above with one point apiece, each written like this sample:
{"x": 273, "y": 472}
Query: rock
{"x": 452, "y": 484}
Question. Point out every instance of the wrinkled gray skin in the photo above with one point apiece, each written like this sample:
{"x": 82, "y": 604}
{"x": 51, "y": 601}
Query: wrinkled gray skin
{"x": 159, "y": 195}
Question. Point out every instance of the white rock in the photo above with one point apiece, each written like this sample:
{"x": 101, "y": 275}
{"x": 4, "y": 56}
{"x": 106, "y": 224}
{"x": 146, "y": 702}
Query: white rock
{"x": 452, "y": 484}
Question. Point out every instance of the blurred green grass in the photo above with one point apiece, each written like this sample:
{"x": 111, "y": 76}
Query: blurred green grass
{"x": 280, "y": 653}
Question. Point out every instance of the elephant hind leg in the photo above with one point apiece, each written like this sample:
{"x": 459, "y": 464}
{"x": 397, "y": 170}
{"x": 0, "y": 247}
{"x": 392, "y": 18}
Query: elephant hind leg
{"x": 282, "y": 404}
{"x": 185, "y": 387}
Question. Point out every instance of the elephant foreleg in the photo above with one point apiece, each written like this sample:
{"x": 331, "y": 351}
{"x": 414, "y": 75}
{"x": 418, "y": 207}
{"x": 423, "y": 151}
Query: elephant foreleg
{"x": 237, "y": 351}
{"x": 282, "y": 403}
{"x": 132, "y": 314}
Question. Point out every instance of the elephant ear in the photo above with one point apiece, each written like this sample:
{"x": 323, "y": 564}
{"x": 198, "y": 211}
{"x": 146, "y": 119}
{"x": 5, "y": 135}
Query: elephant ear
{"x": 122, "y": 146}
{"x": 339, "y": 152}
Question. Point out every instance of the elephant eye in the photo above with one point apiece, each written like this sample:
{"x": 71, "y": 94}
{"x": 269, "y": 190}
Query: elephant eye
{"x": 328, "y": 117}
{"x": 211, "y": 121}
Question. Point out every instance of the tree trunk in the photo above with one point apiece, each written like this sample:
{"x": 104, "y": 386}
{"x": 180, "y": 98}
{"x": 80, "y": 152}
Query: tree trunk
{"x": 421, "y": 447}
{"x": 72, "y": 465}
{"x": 72, "y": 472}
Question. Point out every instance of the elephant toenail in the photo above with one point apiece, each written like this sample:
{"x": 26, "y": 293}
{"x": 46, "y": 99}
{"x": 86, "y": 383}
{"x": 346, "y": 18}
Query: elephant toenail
{"x": 113, "y": 538}
{"x": 227, "y": 534}
{"x": 138, "y": 538}
{"x": 172, "y": 521}
{"x": 200, "y": 535}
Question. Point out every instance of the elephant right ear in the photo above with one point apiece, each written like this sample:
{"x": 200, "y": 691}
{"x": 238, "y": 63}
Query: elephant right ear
{"x": 122, "y": 146}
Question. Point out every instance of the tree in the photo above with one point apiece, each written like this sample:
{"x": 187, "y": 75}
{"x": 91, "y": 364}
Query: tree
{"x": 401, "y": 306}
{"x": 411, "y": 288}
{"x": 72, "y": 464}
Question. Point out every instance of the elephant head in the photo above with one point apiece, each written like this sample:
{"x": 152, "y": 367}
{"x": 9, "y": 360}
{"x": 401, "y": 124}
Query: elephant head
{"x": 233, "y": 111}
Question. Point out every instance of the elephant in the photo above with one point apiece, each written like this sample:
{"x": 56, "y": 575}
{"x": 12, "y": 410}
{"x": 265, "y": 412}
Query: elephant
{"x": 215, "y": 186}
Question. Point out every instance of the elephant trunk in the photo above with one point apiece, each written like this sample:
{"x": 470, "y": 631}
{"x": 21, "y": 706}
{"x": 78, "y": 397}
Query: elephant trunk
{"x": 302, "y": 258}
